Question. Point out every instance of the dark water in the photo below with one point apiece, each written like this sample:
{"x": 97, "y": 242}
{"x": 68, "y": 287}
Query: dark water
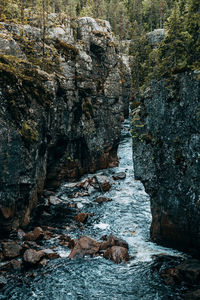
{"x": 127, "y": 216}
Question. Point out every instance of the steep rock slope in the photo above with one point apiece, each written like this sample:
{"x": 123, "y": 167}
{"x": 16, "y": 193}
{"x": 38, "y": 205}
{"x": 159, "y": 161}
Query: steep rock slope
{"x": 61, "y": 102}
{"x": 166, "y": 152}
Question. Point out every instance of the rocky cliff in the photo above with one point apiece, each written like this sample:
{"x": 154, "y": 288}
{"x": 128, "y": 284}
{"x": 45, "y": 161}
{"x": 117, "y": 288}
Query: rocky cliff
{"x": 63, "y": 94}
{"x": 166, "y": 152}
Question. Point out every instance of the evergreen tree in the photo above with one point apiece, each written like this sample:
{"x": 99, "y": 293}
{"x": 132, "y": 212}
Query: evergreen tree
{"x": 174, "y": 49}
{"x": 192, "y": 24}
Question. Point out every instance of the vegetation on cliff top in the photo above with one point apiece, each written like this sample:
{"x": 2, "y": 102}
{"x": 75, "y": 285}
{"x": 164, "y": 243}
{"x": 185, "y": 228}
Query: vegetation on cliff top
{"x": 130, "y": 19}
{"x": 179, "y": 50}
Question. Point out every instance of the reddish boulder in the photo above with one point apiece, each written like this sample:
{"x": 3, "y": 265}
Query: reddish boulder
{"x": 82, "y": 217}
{"x": 11, "y": 249}
{"x": 111, "y": 241}
{"x": 32, "y": 257}
{"x": 117, "y": 254}
{"x": 101, "y": 200}
{"x": 103, "y": 182}
{"x": 16, "y": 264}
{"x": 85, "y": 246}
{"x": 50, "y": 254}
{"x": 36, "y": 234}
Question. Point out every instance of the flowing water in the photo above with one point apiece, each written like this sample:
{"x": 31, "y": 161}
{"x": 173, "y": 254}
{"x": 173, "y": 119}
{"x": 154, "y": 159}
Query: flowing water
{"x": 127, "y": 216}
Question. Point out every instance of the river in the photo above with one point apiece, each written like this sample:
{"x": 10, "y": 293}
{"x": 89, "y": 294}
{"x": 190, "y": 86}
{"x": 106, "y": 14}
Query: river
{"x": 127, "y": 216}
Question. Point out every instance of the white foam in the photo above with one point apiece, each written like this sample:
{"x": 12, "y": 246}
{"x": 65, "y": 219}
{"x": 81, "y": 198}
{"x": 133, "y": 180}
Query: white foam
{"x": 102, "y": 226}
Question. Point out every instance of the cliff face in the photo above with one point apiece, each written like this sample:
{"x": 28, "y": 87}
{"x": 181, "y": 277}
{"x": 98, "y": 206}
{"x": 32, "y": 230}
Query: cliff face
{"x": 61, "y": 104}
{"x": 166, "y": 152}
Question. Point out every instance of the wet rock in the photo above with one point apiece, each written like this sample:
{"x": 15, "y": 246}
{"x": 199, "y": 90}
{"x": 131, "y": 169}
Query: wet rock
{"x": 16, "y": 264}
{"x": 119, "y": 176}
{"x": 104, "y": 182}
{"x": 48, "y": 193}
{"x": 54, "y": 200}
{"x": 36, "y": 234}
{"x": 194, "y": 295}
{"x": 43, "y": 262}
{"x": 82, "y": 217}
{"x": 20, "y": 234}
{"x": 101, "y": 200}
{"x": 85, "y": 246}
{"x": 32, "y": 257}
{"x": 188, "y": 271}
{"x": 5, "y": 265}
{"x": 111, "y": 241}
{"x": 117, "y": 254}
{"x": 1, "y": 256}
{"x": 30, "y": 244}
{"x": 71, "y": 244}
{"x": 3, "y": 281}
{"x": 50, "y": 254}
{"x": 11, "y": 249}
{"x": 79, "y": 194}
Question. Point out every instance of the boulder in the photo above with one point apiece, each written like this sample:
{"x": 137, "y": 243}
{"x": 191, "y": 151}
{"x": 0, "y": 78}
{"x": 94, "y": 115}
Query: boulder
{"x": 117, "y": 254}
{"x": 101, "y": 200}
{"x": 187, "y": 271}
{"x": 16, "y": 264}
{"x": 82, "y": 217}
{"x": 11, "y": 249}
{"x": 85, "y": 246}
{"x": 36, "y": 234}
{"x": 111, "y": 241}
{"x": 32, "y": 257}
{"x": 50, "y": 254}
{"x": 103, "y": 182}
{"x": 119, "y": 176}
{"x": 53, "y": 200}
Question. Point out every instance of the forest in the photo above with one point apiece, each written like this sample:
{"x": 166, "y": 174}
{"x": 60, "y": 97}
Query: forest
{"x": 130, "y": 19}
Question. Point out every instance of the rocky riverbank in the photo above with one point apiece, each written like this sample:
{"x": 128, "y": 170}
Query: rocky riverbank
{"x": 63, "y": 98}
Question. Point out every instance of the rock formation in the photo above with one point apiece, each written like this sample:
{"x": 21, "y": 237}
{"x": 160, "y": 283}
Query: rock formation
{"x": 62, "y": 99}
{"x": 166, "y": 152}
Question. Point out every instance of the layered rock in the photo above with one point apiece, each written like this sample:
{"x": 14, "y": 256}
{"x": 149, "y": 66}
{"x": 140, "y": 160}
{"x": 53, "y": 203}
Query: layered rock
{"x": 61, "y": 106}
{"x": 166, "y": 152}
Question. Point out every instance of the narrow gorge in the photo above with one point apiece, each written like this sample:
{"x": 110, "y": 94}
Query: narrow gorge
{"x": 99, "y": 161}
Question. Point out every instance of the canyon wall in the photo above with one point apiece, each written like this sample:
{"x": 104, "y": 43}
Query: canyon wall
{"x": 63, "y": 94}
{"x": 166, "y": 153}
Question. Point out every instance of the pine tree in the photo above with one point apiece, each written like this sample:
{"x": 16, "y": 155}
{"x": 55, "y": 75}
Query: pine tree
{"x": 174, "y": 49}
{"x": 192, "y": 24}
